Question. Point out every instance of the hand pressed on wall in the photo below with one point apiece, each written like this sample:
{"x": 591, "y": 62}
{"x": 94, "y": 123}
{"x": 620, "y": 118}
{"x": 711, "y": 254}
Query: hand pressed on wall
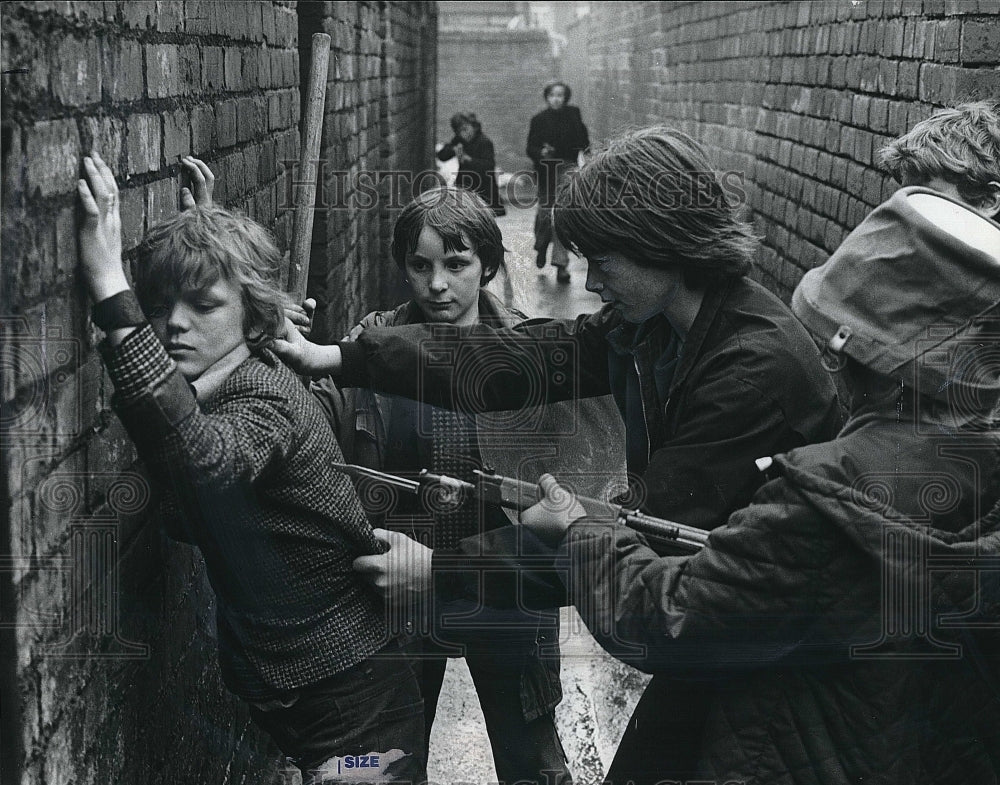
{"x": 100, "y": 231}
{"x": 202, "y": 181}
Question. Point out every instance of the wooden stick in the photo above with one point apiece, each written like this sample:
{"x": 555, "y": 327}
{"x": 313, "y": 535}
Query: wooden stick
{"x": 308, "y": 174}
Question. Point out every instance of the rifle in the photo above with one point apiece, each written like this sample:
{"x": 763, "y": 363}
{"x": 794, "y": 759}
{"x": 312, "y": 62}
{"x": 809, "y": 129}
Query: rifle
{"x": 491, "y": 488}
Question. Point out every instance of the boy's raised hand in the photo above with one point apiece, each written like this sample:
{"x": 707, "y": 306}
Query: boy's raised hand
{"x": 304, "y": 357}
{"x": 202, "y": 183}
{"x": 100, "y": 231}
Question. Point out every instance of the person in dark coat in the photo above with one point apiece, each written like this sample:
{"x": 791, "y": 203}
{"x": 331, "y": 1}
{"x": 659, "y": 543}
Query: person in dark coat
{"x": 843, "y": 626}
{"x": 842, "y": 619}
{"x": 556, "y": 137}
{"x": 696, "y": 355}
{"x": 476, "y": 160}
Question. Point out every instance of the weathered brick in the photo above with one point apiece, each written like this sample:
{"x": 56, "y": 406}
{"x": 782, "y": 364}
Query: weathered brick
{"x": 139, "y": 14}
{"x": 249, "y": 118}
{"x": 107, "y": 136}
{"x": 133, "y": 214}
{"x": 981, "y": 41}
{"x": 233, "y": 69}
{"x": 121, "y": 68}
{"x": 162, "y": 70}
{"x": 212, "y": 68}
{"x": 169, "y": 15}
{"x": 948, "y": 41}
{"x": 251, "y": 67}
{"x": 176, "y": 135}
{"x": 143, "y": 143}
{"x": 162, "y": 200}
{"x": 53, "y": 157}
{"x": 976, "y": 84}
{"x": 225, "y": 123}
{"x": 77, "y": 80}
{"x": 189, "y": 60}
{"x": 202, "y": 129}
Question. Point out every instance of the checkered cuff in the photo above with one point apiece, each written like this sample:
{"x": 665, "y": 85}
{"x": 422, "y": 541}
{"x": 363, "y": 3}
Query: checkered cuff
{"x": 138, "y": 363}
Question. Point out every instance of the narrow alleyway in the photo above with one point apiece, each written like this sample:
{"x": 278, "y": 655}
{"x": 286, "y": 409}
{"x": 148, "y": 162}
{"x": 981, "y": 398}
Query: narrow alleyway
{"x": 599, "y": 691}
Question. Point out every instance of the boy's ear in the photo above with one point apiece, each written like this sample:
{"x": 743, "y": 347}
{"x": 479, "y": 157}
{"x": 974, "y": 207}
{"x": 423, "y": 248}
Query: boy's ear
{"x": 489, "y": 273}
{"x": 991, "y": 204}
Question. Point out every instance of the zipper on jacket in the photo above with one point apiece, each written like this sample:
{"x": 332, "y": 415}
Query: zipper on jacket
{"x": 642, "y": 402}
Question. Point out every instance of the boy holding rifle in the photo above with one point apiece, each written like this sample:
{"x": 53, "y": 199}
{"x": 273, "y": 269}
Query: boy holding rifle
{"x": 709, "y": 371}
{"x": 850, "y": 614}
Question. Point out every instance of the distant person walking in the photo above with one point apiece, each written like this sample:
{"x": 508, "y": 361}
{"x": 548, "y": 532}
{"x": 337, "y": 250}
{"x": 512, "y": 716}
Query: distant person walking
{"x": 476, "y": 159}
{"x": 556, "y": 138}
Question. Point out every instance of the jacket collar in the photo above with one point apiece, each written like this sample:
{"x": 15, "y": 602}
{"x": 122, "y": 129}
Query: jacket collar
{"x": 206, "y": 385}
{"x": 624, "y": 338}
{"x": 492, "y": 312}
{"x": 695, "y": 339}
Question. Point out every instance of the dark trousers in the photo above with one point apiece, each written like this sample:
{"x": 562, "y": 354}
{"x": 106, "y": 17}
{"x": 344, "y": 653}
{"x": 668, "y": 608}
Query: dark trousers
{"x": 550, "y": 174}
{"x": 373, "y": 707}
{"x": 663, "y": 738}
{"x": 523, "y": 751}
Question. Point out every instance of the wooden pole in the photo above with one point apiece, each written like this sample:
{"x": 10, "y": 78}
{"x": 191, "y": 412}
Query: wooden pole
{"x": 308, "y": 174}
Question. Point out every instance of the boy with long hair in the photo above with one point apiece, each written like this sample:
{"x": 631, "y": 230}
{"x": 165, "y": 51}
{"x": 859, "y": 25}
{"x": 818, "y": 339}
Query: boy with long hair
{"x": 244, "y": 455}
{"x": 708, "y": 369}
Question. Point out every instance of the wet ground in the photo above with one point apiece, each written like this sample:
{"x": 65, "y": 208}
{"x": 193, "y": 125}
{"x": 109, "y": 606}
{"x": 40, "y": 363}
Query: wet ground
{"x": 599, "y": 691}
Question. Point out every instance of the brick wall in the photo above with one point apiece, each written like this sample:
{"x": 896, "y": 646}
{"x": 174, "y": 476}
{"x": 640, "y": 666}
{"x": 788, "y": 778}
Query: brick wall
{"x": 797, "y": 96}
{"x": 379, "y": 121}
{"x": 574, "y": 65}
{"x": 108, "y": 668}
{"x": 499, "y": 76}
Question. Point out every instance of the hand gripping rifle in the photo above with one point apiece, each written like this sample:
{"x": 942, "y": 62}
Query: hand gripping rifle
{"x": 663, "y": 535}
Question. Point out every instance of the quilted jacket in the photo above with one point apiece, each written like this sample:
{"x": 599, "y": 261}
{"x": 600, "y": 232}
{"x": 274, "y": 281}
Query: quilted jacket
{"x": 839, "y": 618}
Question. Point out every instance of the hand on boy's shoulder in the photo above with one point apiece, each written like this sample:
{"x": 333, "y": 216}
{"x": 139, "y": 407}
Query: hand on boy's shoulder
{"x": 301, "y": 316}
{"x": 304, "y": 357}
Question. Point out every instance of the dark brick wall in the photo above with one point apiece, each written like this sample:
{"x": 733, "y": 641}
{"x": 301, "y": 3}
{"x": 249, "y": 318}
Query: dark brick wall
{"x": 797, "y": 96}
{"x": 379, "y": 121}
{"x": 108, "y": 668}
{"x": 499, "y": 76}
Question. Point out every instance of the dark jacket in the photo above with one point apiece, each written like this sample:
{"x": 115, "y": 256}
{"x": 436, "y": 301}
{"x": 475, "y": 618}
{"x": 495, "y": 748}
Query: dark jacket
{"x": 479, "y": 173}
{"x": 561, "y": 128}
{"x": 748, "y": 383}
{"x": 248, "y": 479}
{"x": 821, "y": 613}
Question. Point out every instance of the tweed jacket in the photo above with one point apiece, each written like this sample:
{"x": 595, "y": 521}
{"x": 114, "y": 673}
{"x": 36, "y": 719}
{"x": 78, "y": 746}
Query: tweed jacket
{"x": 248, "y": 480}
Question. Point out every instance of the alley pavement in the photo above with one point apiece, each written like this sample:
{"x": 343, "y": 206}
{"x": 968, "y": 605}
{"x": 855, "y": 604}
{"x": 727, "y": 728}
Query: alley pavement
{"x": 599, "y": 692}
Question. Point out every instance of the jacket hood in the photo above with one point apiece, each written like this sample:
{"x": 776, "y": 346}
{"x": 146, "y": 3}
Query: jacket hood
{"x": 913, "y": 293}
